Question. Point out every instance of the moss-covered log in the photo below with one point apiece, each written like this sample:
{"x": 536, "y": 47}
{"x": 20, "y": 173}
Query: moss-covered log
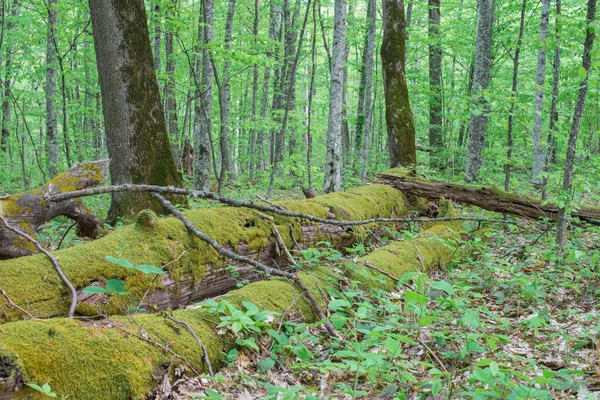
{"x": 114, "y": 359}
{"x": 193, "y": 270}
{"x": 489, "y": 198}
{"x": 29, "y": 210}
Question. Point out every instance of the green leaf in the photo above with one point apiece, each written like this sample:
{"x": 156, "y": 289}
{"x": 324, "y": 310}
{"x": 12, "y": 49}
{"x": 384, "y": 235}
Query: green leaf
{"x": 484, "y": 362}
{"x": 581, "y": 73}
{"x": 444, "y": 286}
{"x": 149, "y": 269}
{"x": 212, "y": 394}
{"x": 494, "y": 369}
{"x": 95, "y": 290}
{"x": 426, "y": 321}
{"x": 336, "y": 304}
{"x": 266, "y": 364}
{"x": 116, "y": 286}
{"x": 119, "y": 261}
{"x": 415, "y": 297}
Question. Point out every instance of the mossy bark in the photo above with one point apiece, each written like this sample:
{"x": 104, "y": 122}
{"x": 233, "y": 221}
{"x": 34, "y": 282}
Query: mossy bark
{"x": 193, "y": 270}
{"x": 111, "y": 360}
{"x": 27, "y": 211}
{"x": 490, "y": 198}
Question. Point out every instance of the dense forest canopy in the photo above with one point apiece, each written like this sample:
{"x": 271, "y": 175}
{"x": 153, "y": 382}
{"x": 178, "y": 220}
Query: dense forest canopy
{"x": 256, "y": 111}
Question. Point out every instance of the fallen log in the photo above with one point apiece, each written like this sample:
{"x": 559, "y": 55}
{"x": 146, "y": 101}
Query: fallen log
{"x": 124, "y": 357}
{"x": 29, "y": 210}
{"x": 193, "y": 271}
{"x": 489, "y": 198}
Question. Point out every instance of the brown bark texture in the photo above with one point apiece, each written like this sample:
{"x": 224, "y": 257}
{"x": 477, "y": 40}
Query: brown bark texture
{"x": 27, "y": 211}
{"x": 489, "y": 198}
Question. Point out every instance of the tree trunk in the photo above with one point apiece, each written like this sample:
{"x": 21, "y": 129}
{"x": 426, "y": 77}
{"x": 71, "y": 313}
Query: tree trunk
{"x": 136, "y": 135}
{"x": 491, "y": 198}
{"x": 5, "y": 88}
{"x": 435, "y": 84}
{"x": 481, "y": 79}
{"x": 538, "y": 149}
{"x": 27, "y": 211}
{"x": 170, "y": 96}
{"x": 552, "y": 131}
{"x": 513, "y": 99}
{"x": 156, "y": 36}
{"x": 252, "y": 139}
{"x": 365, "y": 89}
{"x": 398, "y": 115}
{"x": 51, "y": 75}
{"x": 203, "y": 104}
{"x": 561, "y": 228}
{"x": 150, "y": 342}
{"x": 333, "y": 178}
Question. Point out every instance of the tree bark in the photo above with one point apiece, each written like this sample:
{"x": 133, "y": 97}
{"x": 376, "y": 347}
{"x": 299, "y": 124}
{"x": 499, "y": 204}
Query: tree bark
{"x": 51, "y": 75}
{"x": 513, "y": 99}
{"x": 193, "y": 270}
{"x": 71, "y": 349}
{"x": 333, "y": 177}
{"x": 364, "y": 114}
{"x": 398, "y": 115}
{"x": 538, "y": 149}
{"x": 481, "y": 79}
{"x": 252, "y": 145}
{"x": 29, "y": 210}
{"x": 561, "y": 228}
{"x": 136, "y": 135}
{"x": 489, "y": 198}
{"x": 170, "y": 96}
{"x": 5, "y": 87}
{"x": 203, "y": 104}
{"x": 435, "y": 84}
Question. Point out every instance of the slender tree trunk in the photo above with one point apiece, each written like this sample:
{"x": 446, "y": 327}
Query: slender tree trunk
{"x": 345, "y": 129}
{"x": 136, "y": 133}
{"x": 203, "y": 103}
{"x": 481, "y": 79}
{"x": 361, "y": 138}
{"x": 227, "y": 166}
{"x": 156, "y": 39}
{"x": 5, "y": 88}
{"x": 551, "y": 147}
{"x": 311, "y": 93}
{"x": 464, "y": 124}
{"x": 513, "y": 99}
{"x": 252, "y": 139}
{"x": 170, "y": 97}
{"x": 398, "y": 115}
{"x": 51, "y": 75}
{"x": 333, "y": 177}
{"x": 561, "y": 227}
{"x": 538, "y": 149}
{"x": 435, "y": 83}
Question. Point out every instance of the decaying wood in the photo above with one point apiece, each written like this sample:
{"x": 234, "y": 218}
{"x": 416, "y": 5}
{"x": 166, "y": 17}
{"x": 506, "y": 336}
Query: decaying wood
{"x": 491, "y": 199}
{"x": 197, "y": 274}
{"x": 118, "y": 357}
{"x": 29, "y": 210}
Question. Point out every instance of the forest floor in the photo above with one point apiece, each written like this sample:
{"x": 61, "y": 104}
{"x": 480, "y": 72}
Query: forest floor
{"x": 509, "y": 319}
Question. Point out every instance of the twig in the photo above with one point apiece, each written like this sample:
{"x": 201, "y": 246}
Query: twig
{"x": 52, "y": 259}
{"x": 269, "y": 202}
{"x": 282, "y": 245}
{"x": 156, "y": 277}
{"x": 246, "y": 204}
{"x": 433, "y": 354}
{"x": 293, "y": 238}
{"x": 65, "y": 234}
{"x": 163, "y": 348}
{"x": 238, "y": 257}
{"x": 200, "y": 342}
{"x": 371, "y": 266}
{"x": 12, "y": 304}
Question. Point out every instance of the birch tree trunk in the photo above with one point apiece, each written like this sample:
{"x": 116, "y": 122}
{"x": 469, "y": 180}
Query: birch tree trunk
{"x": 513, "y": 99}
{"x": 538, "y": 149}
{"x": 203, "y": 103}
{"x": 333, "y": 178}
{"x": 481, "y": 79}
{"x": 561, "y": 227}
{"x": 398, "y": 115}
{"x": 435, "y": 83}
{"x": 136, "y": 134}
{"x": 51, "y": 75}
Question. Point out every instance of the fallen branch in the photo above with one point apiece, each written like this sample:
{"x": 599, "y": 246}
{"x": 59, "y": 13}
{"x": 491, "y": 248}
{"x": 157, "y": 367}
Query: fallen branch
{"x": 50, "y": 257}
{"x": 200, "y": 342}
{"x": 238, "y": 257}
{"x": 259, "y": 207}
